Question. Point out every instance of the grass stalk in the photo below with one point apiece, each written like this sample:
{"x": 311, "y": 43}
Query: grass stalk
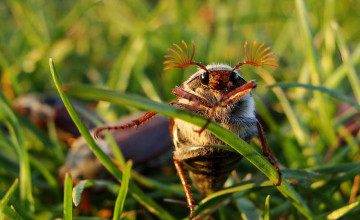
{"x": 335, "y": 94}
{"x": 351, "y": 72}
{"x": 120, "y": 200}
{"x": 68, "y": 184}
{"x": 297, "y": 127}
{"x": 313, "y": 60}
{"x": 267, "y": 208}
{"x": 337, "y": 214}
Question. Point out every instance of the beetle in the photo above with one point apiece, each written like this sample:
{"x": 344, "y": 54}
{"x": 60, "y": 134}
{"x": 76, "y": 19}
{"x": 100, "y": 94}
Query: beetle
{"x": 219, "y": 93}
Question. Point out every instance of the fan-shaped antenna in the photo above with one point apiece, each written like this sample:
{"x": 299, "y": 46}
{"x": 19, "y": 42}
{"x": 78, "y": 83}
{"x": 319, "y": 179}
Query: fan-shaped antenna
{"x": 181, "y": 60}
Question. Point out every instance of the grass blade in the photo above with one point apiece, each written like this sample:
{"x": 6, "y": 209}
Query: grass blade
{"x": 313, "y": 60}
{"x": 175, "y": 189}
{"x": 308, "y": 39}
{"x": 214, "y": 199}
{"x": 343, "y": 210}
{"x": 67, "y": 197}
{"x": 225, "y": 135}
{"x": 120, "y": 200}
{"x": 344, "y": 51}
{"x": 297, "y": 126}
{"x": 83, "y": 184}
{"x": 4, "y": 201}
{"x": 267, "y": 208}
{"x": 321, "y": 89}
{"x": 105, "y": 160}
{"x": 115, "y": 149}
{"x": 10, "y": 213}
{"x": 120, "y": 74}
{"x": 336, "y": 78}
{"x": 247, "y": 209}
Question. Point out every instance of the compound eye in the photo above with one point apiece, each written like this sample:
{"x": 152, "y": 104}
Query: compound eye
{"x": 234, "y": 77}
{"x": 205, "y": 78}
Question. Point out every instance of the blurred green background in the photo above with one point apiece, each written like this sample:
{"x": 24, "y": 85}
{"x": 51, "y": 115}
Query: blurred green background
{"x": 119, "y": 45}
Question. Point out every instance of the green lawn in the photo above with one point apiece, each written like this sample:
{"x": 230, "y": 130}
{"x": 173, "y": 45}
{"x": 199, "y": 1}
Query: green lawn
{"x": 309, "y": 105}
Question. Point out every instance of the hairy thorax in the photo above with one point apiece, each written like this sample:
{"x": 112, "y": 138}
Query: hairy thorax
{"x": 238, "y": 118}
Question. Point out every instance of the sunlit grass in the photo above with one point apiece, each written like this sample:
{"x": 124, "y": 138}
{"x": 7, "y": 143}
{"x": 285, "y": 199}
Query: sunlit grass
{"x": 309, "y": 105}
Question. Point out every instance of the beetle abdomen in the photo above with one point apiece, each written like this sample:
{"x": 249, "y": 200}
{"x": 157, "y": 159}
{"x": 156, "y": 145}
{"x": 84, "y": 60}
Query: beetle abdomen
{"x": 209, "y": 172}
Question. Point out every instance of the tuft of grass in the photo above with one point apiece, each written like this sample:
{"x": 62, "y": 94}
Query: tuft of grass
{"x": 310, "y": 115}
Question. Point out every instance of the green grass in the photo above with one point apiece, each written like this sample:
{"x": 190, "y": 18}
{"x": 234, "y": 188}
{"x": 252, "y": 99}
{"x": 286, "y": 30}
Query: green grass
{"x": 118, "y": 46}
{"x": 68, "y": 184}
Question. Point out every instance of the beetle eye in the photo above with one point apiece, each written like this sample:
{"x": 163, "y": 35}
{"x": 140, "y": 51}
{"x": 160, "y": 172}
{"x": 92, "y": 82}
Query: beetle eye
{"x": 234, "y": 77}
{"x": 205, "y": 78}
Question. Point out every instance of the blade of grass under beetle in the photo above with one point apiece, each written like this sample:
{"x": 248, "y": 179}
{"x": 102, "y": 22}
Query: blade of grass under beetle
{"x": 120, "y": 200}
{"x": 4, "y": 201}
{"x": 225, "y": 135}
{"x": 335, "y": 94}
{"x": 67, "y": 197}
{"x": 105, "y": 160}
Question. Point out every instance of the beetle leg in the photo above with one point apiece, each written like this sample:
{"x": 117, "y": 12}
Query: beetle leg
{"x": 236, "y": 94}
{"x": 134, "y": 123}
{"x": 267, "y": 151}
{"x": 184, "y": 183}
{"x": 179, "y": 92}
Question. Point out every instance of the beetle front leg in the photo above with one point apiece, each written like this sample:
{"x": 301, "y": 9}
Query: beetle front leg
{"x": 180, "y": 92}
{"x": 267, "y": 151}
{"x": 228, "y": 99}
{"x": 184, "y": 183}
